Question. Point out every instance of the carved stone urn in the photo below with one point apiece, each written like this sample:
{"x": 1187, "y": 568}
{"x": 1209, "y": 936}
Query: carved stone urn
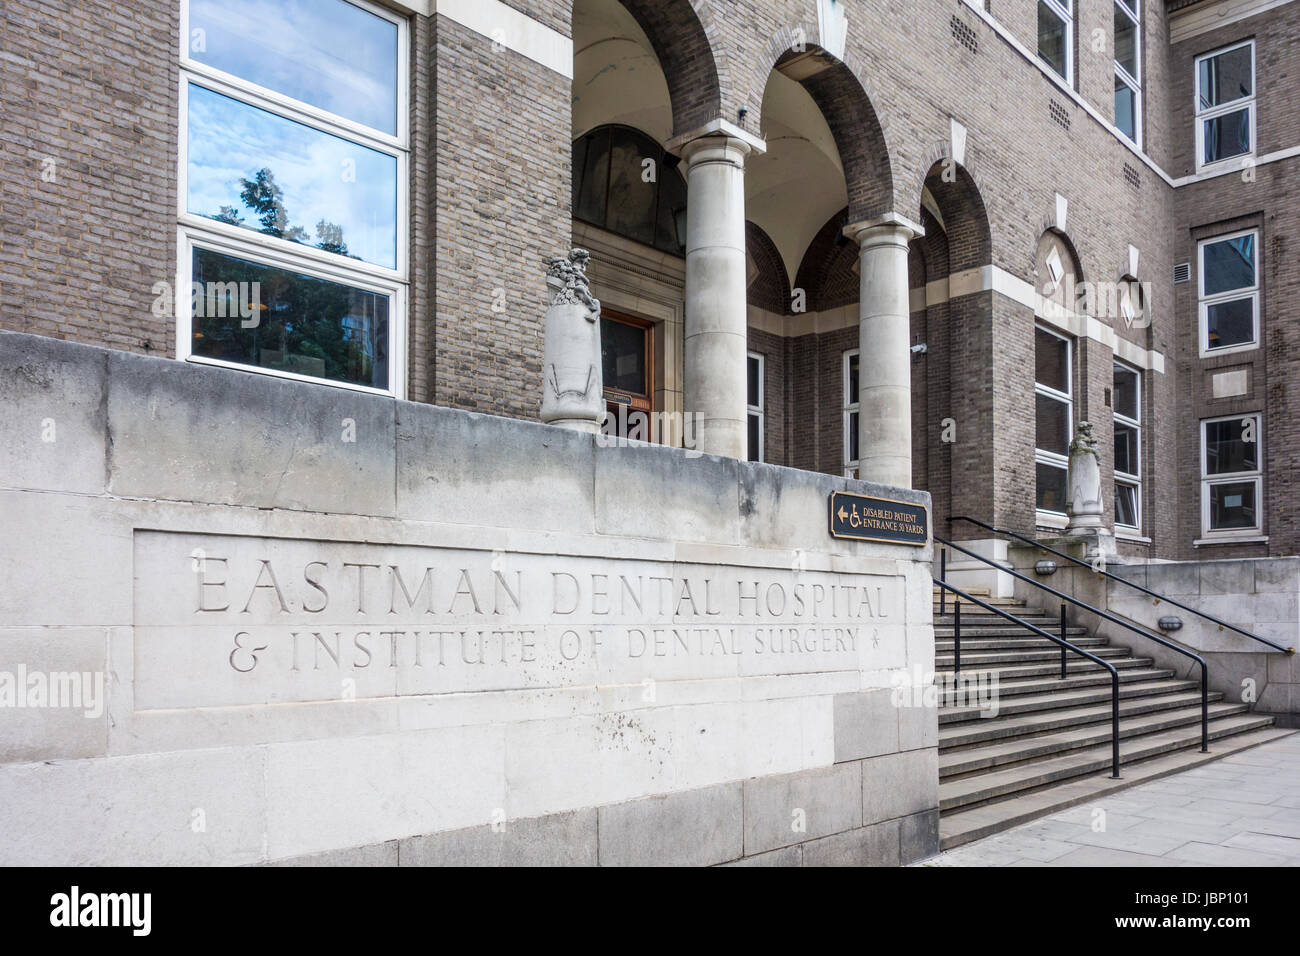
{"x": 572, "y": 390}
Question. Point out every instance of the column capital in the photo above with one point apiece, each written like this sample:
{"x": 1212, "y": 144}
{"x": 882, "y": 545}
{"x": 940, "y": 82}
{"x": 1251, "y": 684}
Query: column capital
{"x": 889, "y": 228}
{"x": 714, "y": 133}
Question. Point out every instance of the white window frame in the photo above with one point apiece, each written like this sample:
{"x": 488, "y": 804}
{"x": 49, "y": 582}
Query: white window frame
{"x": 852, "y": 466}
{"x": 1130, "y": 479}
{"x": 187, "y": 238}
{"x": 1134, "y": 83}
{"x": 1232, "y": 478}
{"x": 756, "y": 411}
{"x": 1054, "y": 518}
{"x": 1065, "y": 10}
{"x": 284, "y": 253}
{"x": 1245, "y": 292}
{"x": 1232, "y": 106}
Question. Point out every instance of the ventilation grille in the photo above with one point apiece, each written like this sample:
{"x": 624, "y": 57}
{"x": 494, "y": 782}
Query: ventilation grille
{"x": 1182, "y": 273}
{"x": 964, "y": 35}
{"x": 1131, "y": 176}
{"x": 1059, "y": 113}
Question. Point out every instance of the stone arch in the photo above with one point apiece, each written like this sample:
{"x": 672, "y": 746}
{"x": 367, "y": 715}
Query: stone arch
{"x": 1065, "y": 292}
{"x": 696, "y": 69}
{"x": 962, "y": 210}
{"x": 769, "y": 288}
{"x": 844, "y": 96}
{"x": 826, "y": 273}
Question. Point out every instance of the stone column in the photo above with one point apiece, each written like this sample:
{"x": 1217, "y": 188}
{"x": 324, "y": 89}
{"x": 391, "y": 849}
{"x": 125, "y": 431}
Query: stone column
{"x": 715, "y": 334}
{"x": 885, "y": 360}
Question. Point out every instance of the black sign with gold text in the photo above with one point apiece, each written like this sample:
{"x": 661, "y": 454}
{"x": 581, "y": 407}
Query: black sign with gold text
{"x": 878, "y": 519}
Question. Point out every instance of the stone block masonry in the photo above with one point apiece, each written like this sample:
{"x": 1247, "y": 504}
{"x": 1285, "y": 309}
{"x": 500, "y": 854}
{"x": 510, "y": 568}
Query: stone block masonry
{"x": 333, "y": 627}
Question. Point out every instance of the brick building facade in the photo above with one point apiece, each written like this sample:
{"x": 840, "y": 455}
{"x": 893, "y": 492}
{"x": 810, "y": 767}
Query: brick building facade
{"x": 1019, "y": 183}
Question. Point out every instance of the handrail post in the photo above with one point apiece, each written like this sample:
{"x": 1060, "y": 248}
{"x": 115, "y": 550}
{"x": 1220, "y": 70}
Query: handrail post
{"x": 1063, "y": 638}
{"x": 956, "y": 639}
{"x": 943, "y": 579}
{"x": 1114, "y": 724}
{"x": 1205, "y": 709}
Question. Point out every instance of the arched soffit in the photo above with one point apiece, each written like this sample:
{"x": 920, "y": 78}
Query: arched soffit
{"x": 961, "y": 210}
{"x": 828, "y": 274}
{"x": 798, "y": 183}
{"x": 695, "y": 68}
{"x": 845, "y": 97}
{"x": 767, "y": 282}
{"x": 617, "y": 78}
{"x": 931, "y": 249}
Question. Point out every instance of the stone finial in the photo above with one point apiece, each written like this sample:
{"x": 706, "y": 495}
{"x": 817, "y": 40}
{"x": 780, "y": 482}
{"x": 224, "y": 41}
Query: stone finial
{"x": 566, "y": 278}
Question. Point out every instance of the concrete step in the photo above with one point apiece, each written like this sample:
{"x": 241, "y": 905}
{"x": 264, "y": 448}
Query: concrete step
{"x": 972, "y": 791}
{"x": 945, "y": 632}
{"x": 958, "y": 827}
{"x": 1015, "y": 643}
{"x": 1076, "y": 666}
{"x": 1063, "y": 700}
{"x": 1179, "y": 710}
{"x": 1050, "y": 682}
{"x": 1002, "y": 658}
{"x": 959, "y": 737}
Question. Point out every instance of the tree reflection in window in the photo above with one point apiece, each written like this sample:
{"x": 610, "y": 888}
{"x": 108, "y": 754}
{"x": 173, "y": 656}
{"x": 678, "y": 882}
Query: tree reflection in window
{"x": 623, "y": 181}
{"x": 305, "y": 324}
{"x": 265, "y": 198}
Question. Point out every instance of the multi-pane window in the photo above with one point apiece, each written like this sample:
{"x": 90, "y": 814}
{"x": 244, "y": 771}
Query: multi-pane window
{"x": 1128, "y": 69}
{"x": 1229, "y": 292}
{"x": 1127, "y": 406}
{"x": 754, "y": 405}
{"x": 623, "y": 182}
{"x": 1053, "y": 415}
{"x": 1056, "y": 36}
{"x": 851, "y": 411}
{"x": 1225, "y": 104}
{"x": 293, "y": 143}
{"x": 1230, "y": 475}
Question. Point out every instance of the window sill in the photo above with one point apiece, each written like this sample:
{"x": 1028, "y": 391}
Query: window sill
{"x": 1231, "y": 539}
{"x": 1230, "y": 164}
{"x": 1133, "y": 535}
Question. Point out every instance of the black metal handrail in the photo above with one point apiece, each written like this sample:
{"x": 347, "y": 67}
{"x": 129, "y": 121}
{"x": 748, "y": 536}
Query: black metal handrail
{"x": 944, "y": 587}
{"x": 1113, "y": 577}
{"x": 1106, "y": 615}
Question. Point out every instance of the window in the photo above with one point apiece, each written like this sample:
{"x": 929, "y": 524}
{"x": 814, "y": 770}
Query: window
{"x": 1225, "y": 104}
{"x": 1056, "y": 36}
{"x": 623, "y": 181}
{"x": 1229, "y": 293}
{"x": 1127, "y": 404}
{"x": 292, "y": 195}
{"x": 754, "y": 404}
{"x": 1054, "y": 425}
{"x": 1128, "y": 69}
{"x": 851, "y": 409}
{"x": 1230, "y": 475}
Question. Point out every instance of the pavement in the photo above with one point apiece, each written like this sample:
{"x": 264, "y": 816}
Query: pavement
{"x": 1243, "y": 810}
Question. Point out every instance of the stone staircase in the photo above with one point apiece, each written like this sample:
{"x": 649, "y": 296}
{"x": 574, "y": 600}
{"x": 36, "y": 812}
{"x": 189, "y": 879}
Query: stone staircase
{"x": 1048, "y": 747}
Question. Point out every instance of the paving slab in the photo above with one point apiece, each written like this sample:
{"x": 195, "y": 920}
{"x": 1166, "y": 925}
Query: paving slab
{"x": 1240, "y": 811}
